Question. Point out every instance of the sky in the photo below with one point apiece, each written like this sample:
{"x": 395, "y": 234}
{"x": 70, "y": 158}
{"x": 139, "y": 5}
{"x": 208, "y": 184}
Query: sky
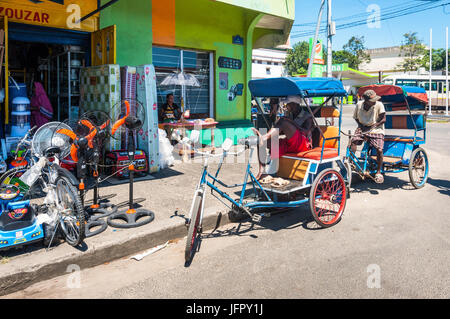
{"x": 389, "y": 33}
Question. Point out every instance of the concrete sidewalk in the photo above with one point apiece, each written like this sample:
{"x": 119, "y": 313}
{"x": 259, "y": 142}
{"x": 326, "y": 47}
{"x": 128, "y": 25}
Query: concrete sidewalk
{"x": 169, "y": 196}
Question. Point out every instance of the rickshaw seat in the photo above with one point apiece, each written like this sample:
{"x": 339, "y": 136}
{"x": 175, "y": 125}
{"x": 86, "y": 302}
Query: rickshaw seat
{"x": 329, "y": 132}
{"x": 315, "y": 154}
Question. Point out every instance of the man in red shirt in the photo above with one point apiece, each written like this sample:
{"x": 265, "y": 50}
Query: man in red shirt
{"x": 296, "y": 140}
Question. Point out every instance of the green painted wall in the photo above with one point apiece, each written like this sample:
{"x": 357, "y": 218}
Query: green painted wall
{"x": 281, "y": 8}
{"x": 202, "y": 25}
{"x": 134, "y": 30}
{"x": 199, "y": 25}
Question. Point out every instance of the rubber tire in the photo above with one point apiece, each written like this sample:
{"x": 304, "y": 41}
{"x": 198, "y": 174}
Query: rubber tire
{"x": 80, "y": 214}
{"x": 411, "y": 167}
{"x": 193, "y": 227}
{"x": 312, "y": 198}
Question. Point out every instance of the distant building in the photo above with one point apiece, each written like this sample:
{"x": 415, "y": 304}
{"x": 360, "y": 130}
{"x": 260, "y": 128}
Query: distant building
{"x": 268, "y": 63}
{"x": 385, "y": 60}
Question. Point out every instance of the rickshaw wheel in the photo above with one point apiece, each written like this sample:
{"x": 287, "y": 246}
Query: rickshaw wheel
{"x": 328, "y": 197}
{"x": 418, "y": 168}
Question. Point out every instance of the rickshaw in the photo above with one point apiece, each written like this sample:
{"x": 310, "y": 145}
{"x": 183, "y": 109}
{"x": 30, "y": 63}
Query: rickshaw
{"x": 405, "y": 110}
{"x": 318, "y": 176}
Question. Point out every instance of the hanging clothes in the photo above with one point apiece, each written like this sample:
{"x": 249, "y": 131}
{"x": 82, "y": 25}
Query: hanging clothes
{"x": 41, "y": 108}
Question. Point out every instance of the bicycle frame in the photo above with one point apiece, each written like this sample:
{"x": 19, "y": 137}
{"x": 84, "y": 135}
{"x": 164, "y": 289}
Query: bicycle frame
{"x": 209, "y": 180}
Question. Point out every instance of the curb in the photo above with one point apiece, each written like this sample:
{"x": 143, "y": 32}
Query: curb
{"x": 23, "y": 278}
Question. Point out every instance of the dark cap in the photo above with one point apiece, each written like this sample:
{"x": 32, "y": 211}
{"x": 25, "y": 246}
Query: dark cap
{"x": 371, "y": 95}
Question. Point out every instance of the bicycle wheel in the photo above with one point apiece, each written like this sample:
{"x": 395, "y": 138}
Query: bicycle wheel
{"x": 193, "y": 227}
{"x": 72, "y": 214}
{"x": 418, "y": 168}
{"x": 328, "y": 197}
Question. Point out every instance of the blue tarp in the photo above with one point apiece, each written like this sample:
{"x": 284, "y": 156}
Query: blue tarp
{"x": 305, "y": 87}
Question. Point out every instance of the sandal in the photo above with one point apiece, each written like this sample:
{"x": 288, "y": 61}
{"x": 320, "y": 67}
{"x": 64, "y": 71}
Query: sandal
{"x": 379, "y": 178}
{"x": 279, "y": 182}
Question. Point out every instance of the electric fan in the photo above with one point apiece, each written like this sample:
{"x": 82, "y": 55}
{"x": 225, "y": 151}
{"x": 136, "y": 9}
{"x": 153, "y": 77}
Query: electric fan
{"x": 130, "y": 119}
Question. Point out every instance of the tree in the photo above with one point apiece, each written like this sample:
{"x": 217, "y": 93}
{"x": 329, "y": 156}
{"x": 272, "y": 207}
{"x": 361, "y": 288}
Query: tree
{"x": 297, "y": 59}
{"x": 353, "y": 53}
{"x": 438, "y": 59}
{"x": 413, "y": 50}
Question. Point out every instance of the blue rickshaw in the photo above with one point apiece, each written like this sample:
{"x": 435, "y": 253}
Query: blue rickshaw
{"x": 318, "y": 176}
{"x": 405, "y": 110}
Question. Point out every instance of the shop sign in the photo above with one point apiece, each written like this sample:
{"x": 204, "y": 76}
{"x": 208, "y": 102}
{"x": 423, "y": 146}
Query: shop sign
{"x": 318, "y": 52}
{"x": 237, "y": 39}
{"x": 51, "y": 13}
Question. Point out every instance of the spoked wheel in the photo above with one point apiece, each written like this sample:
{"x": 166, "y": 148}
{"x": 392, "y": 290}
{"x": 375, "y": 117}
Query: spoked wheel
{"x": 418, "y": 168}
{"x": 328, "y": 197}
{"x": 194, "y": 225}
{"x": 72, "y": 214}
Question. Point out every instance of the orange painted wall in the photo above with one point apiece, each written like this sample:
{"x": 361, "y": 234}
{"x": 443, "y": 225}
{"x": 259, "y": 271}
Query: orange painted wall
{"x": 163, "y": 21}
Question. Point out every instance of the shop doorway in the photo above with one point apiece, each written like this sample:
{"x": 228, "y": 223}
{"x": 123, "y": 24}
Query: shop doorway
{"x": 53, "y": 57}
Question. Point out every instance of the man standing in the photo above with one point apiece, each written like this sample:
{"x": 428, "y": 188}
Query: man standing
{"x": 370, "y": 115}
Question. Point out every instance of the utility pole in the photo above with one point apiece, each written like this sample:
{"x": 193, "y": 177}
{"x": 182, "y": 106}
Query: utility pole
{"x": 331, "y": 32}
{"x": 447, "y": 95}
{"x": 431, "y": 71}
{"x": 316, "y": 36}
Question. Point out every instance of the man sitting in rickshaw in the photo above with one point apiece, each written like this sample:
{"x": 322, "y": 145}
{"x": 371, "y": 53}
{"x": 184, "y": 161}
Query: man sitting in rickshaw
{"x": 370, "y": 115}
{"x": 296, "y": 130}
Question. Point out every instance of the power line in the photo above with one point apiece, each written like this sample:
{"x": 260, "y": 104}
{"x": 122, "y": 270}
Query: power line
{"x": 358, "y": 15}
{"x": 397, "y": 14}
{"x": 387, "y": 15}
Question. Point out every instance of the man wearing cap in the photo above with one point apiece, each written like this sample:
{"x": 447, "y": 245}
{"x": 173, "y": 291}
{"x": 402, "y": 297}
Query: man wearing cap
{"x": 370, "y": 115}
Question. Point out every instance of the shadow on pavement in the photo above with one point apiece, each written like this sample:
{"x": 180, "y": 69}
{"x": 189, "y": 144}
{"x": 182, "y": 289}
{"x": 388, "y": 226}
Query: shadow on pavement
{"x": 391, "y": 182}
{"x": 443, "y": 185}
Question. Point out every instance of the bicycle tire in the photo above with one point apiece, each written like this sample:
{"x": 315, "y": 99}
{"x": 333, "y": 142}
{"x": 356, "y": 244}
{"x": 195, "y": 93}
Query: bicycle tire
{"x": 193, "y": 227}
{"x": 335, "y": 194}
{"x": 412, "y": 166}
{"x": 78, "y": 213}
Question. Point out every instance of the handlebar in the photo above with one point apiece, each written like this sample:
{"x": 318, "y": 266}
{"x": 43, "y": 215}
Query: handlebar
{"x": 24, "y": 140}
{"x": 353, "y": 135}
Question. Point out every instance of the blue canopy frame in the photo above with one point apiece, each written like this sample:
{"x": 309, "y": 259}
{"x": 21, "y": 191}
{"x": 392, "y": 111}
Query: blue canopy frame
{"x": 304, "y": 87}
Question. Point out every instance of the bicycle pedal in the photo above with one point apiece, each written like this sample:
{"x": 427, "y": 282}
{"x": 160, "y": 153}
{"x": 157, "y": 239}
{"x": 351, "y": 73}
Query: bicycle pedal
{"x": 256, "y": 218}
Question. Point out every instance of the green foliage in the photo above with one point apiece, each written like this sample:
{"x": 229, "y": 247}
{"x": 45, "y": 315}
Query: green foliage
{"x": 297, "y": 59}
{"x": 438, "y": 59}
{"x": 353, "y": 53}
{"x": 413, "y": 50}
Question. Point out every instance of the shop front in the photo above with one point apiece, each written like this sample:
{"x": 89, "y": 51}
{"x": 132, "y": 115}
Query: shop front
{"x": 43, "y": 48}
{"x": 209, "y": 40}
{"x": 67, "y": 51}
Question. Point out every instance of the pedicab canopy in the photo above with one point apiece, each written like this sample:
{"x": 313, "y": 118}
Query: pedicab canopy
{"x": 398, "y": 98}
{"x": 304, "y": 87}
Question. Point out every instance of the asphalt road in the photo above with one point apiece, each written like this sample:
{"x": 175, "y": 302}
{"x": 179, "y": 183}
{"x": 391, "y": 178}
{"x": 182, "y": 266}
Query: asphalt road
{"x": 393, "y": 242}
